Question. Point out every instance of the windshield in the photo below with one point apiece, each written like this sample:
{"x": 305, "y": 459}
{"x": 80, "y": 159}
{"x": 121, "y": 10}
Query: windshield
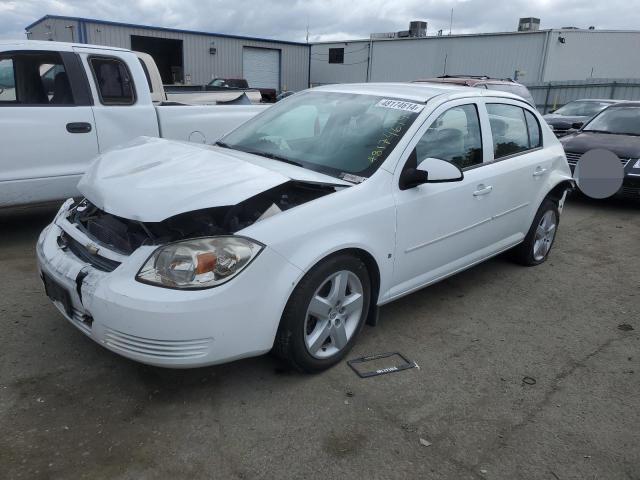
{"x": 620, "y": 120}
{"x": 581, "y": 109}
{"x": 340, "y": 134}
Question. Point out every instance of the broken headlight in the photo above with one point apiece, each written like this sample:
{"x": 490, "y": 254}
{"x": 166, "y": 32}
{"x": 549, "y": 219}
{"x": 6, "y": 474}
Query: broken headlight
{"x": 198, "y": 263}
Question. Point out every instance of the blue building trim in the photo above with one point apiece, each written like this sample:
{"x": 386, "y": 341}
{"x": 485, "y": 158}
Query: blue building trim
{"x": 163, "y": 29}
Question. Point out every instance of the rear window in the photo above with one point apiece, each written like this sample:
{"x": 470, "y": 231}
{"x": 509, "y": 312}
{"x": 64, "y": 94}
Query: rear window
{"x": 113, "y": 80}
{"x": 520, "y": 90}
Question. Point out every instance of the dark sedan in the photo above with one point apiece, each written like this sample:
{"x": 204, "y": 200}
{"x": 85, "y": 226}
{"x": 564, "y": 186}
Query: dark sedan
{"x": 616, "y": 128}
{"x": 578, "y": 111}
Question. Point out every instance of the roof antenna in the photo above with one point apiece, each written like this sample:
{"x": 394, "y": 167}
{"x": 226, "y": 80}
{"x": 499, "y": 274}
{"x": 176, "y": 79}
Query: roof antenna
{"x": 451, "y": 21}
{"x": 307, "y": 28}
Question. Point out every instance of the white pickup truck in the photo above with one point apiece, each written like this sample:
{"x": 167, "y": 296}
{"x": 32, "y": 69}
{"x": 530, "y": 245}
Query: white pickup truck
{"x": 62, "y": 104}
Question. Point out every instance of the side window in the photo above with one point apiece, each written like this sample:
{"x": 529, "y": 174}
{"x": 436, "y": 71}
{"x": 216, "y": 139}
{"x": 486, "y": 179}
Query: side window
{"x": 7, "y": 81}
{"x": 511, "y": 131}
{"x": 336, "y": 55}
{"x": 454, "y": 136}
{"x": 535, "y": 136}
{"x": 113, "y": 80}
{"x": 34, "y": 78}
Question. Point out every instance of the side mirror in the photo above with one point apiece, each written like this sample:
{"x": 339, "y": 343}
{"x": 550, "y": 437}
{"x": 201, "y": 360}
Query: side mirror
{"x": 577, "y": 125}
{"x": 430, "y": 170}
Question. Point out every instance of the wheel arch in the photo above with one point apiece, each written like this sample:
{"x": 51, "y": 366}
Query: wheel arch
{"x": 558, "y": 190}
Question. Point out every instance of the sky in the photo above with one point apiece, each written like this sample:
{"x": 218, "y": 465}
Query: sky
{"x": 326, "y": 19}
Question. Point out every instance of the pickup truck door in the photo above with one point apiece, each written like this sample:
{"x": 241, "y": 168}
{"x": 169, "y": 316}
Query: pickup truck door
{"x": 123, "y": 108}
{"x": 47, "y": 129}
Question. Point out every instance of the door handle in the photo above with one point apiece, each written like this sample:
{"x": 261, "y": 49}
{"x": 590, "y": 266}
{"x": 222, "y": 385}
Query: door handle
{"x": 482, "y": 190}
{"x": 539, "y": 172}
{"x": 78, "y": 127}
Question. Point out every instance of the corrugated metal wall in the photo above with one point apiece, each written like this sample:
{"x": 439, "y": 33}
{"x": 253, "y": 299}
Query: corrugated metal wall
{"x": 538, "y": 56}
{"x": 198, "y": 62}
{"x": 401, "y": 60}
{"x": 592, "y": 54}
{"x": 493, "y": 55}
{"x": 551, "y": 95}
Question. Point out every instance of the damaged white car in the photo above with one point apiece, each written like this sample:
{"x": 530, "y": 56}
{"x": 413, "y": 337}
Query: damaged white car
{"x": 291, "y": 231}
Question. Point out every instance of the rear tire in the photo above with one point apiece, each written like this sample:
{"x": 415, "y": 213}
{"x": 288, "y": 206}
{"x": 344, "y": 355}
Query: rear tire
{"x": 537, "y": 244}
{"x": 325, "y": 314}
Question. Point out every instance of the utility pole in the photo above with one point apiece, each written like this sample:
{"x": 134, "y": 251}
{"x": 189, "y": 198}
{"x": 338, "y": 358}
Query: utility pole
{"x": 451, "y": 22}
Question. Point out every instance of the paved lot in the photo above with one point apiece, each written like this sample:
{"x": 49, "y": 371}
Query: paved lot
{"x": 70, "y": 409}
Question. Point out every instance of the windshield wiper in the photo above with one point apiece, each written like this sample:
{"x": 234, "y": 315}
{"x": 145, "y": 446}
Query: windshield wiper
{"x": 224, "y": 145}
{"x": 273, "y": 156}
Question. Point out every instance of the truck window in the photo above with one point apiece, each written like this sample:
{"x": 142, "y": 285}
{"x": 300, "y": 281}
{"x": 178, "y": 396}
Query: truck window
{"x": 7, "y": 81}
{"x": 34, "y": 78}
{"x": 113, "y": 80}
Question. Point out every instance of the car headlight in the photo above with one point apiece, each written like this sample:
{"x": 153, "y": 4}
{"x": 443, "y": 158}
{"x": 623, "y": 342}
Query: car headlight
{"x": 199, "y": 262}
{"x": 637, "y": 164}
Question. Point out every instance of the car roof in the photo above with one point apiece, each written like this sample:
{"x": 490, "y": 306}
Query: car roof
{"x": 420, "y": 92}
{"x": 623, "y": 103}
{"x": 468, "y": 80}
{"x": 601, "y": 100}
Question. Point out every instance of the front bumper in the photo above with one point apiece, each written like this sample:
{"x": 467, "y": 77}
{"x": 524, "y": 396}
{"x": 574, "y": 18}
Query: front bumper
{"x": 165, "y": 327}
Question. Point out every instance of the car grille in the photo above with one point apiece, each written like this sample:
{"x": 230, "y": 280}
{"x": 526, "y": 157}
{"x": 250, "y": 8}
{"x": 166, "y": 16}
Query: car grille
{"x": 167, "y": 349}
{"x": 80, "y": 251}
{"x": 573, "y": 158}
{"x": 630, "y": 192}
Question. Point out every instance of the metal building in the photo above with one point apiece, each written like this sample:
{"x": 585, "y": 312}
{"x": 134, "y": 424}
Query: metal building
{"x": 529, "y": 57}
{"x": 190, "y": 57}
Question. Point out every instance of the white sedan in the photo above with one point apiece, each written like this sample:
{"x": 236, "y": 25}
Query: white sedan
{"x": 291, "y": 231}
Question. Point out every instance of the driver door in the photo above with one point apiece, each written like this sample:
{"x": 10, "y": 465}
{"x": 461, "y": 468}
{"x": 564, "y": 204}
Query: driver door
{"x": 445, "y": 227}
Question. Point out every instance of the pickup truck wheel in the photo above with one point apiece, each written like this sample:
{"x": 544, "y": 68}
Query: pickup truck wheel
{"x": 324, "y": 315}
{"x": 537, "y": 244}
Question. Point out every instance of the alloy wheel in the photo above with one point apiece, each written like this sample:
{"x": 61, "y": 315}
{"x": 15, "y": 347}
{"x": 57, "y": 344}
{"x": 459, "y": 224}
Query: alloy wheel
{"x": 333, "y": 314}
{"x": 545, "y": 233}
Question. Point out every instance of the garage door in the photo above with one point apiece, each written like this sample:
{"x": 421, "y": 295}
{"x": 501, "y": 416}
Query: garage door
{"x": 261, "y": 67}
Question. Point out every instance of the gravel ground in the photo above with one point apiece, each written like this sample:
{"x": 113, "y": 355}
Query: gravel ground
{"x": 71, "y": 409}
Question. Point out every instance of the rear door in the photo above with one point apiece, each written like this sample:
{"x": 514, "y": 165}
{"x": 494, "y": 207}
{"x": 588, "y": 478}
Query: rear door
{"x": 123, "y": 107}
{"x": 48, "y": 134}
{"x": 521, "y": 164}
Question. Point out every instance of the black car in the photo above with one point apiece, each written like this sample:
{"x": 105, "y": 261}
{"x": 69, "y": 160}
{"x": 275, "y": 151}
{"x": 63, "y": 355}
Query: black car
{"x": 578, "y": 111}
{"x": 617, "y": 129}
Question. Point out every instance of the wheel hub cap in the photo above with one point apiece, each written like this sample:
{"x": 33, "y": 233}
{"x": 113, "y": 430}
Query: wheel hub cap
{"x": 545, "y": 233}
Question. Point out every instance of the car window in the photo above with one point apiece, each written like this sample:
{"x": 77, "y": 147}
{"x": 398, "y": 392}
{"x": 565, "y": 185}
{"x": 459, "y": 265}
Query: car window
{"x": 511, "y": 131}
{"x": 581, "y": 109}
{"x": 454, "y": 136}
{"x": 146, "y": 74}
{"x": 34, "y": 78}
{"x": 533, "y": 127}
{"x": 113, "y": 80}
{"x": 618, "y": 120}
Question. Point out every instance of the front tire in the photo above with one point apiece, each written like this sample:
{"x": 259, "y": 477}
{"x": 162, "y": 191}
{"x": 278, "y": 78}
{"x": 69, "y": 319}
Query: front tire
{"x": 536, "y": 246}
{"x": 325, "y": 314}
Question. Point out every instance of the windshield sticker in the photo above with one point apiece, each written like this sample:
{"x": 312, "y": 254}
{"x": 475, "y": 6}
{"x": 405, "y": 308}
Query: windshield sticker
{"x": 400, "y": 105}
{"x": 349, "y": 177}
{"x": 389, "y": 138}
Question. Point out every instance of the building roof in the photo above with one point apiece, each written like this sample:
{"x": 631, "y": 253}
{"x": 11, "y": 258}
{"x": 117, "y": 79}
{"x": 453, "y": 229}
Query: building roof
{"x": 163, "y": 29}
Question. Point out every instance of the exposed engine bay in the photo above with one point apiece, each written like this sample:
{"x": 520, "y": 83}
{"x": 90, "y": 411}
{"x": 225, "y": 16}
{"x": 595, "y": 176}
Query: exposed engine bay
{"x": 125, "y": 236}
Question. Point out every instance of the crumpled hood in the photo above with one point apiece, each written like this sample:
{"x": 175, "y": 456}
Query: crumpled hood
{"x": 151, "y": 179}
